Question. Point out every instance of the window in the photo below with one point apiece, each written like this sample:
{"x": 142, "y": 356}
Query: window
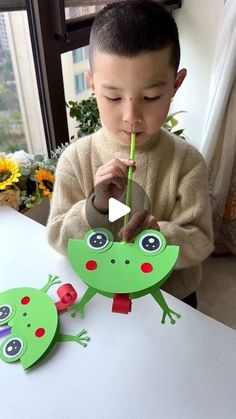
{"x": 57, "y": 27}
{"x": 78, "y": 10}
{"x": 77, "y": 55}
{"x": 86, "y": 52}
{"x": 79, "y": 83}
{"x": 12, "y": 133}
{"x": 75, "y": 84}
{"x": 21, "y": 124}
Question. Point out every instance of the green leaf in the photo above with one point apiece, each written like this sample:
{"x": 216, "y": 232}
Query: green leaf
{"x": 39, "y": 158}
{"x": 25, "y": 171}
{"x": 179, "y": 132}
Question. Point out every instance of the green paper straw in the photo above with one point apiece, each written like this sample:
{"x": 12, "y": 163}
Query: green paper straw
{"x": 130, "y": 175}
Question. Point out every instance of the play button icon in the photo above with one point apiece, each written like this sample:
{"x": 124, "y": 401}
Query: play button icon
{"x": 116, "y": 209}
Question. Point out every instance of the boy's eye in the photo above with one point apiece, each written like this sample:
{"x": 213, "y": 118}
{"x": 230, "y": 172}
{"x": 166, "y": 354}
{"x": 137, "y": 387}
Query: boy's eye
{"x": 113, "y": 99}
{"x": 152, "y": 98}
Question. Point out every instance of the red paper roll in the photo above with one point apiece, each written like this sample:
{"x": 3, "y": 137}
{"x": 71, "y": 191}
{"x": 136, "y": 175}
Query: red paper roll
{"x": 67, "y": 295}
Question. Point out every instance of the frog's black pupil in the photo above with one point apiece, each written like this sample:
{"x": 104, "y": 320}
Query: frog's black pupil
{"x": 24, "y": 314}
{"x": 113, "y": 261}
{"x": 13, "y": 347}
{"x": 127, "y": 262}
{"x": 98, "y": 240}
{"x": 4, "y": 312}
{"x": 151, "y": 243}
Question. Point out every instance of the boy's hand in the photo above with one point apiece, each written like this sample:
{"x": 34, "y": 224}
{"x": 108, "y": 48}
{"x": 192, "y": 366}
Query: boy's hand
{"x": 140, "y": 221}
{"x": 110, "y": 181}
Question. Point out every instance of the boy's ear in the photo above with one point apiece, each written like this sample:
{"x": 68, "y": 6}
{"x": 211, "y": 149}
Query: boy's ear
{"x": 180, "y": 76}
{"x": 89, "y": 78}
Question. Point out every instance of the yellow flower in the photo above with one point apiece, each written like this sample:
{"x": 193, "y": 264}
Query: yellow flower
{"x": 45, "y": 180}
{"x": 9, "y": 173}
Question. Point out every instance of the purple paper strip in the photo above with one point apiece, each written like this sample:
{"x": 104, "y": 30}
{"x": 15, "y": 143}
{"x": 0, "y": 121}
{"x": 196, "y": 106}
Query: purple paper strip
{"x": 5, "y": 331}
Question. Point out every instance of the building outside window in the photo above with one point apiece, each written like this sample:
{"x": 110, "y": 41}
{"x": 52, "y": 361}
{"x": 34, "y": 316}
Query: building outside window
{"x": 21, "y": 124}
{"x": 77, "y": 55}
{"x": 74, "y": 77}
{"x": 79, "y": 83}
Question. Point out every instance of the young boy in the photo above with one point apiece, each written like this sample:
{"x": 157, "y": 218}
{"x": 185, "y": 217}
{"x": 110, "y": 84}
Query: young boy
{"x": 134, "y": 59}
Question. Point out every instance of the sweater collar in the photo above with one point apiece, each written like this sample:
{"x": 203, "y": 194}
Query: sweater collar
{"x": 112, "y": 140}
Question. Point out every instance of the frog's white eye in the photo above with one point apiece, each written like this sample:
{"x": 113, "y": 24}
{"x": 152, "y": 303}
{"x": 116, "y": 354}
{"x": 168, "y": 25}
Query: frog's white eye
{"x": 150, "y": 242}
{"x": 12, "y": 349}
{"x": 98, "y": 240}
{"x": 5, "y": 312}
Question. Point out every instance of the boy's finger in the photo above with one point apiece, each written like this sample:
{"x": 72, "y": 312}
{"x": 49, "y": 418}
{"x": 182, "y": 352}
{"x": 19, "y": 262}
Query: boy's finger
{"x": 116, "y": 167}
{"x": 114, "y": 171}
{"x": 111, "y": 179}
{"x": 128, "y": 162}
{"x": 148, "y": 222}
{"x": 105, "y": 181}
{"x": 127, "y": 231}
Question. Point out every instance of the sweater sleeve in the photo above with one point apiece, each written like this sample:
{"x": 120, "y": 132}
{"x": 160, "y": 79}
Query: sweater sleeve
{"x": 190, "y": 223}
{"x": 70, "y": 205}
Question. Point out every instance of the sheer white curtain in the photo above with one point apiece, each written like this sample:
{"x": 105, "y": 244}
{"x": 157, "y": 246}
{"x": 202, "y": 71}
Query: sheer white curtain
{"x": 219, "y": 135}
{"x": 222, "y": 79}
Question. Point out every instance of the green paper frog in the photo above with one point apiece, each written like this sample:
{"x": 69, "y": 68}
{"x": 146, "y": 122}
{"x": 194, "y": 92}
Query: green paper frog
{"x": 123, "y": 271}
{"x": 32, "y": 320}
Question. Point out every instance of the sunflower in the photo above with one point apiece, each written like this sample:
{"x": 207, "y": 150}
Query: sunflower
{"x": 9, "y": 173}
{"x": 45, "y": 180}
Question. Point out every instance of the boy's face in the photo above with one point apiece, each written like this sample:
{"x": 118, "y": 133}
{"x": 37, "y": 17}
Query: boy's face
{"x": 134, "y": 93}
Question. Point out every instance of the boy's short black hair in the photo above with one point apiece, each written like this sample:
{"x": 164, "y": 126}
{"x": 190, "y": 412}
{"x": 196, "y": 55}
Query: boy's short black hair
{"x": 130, "y": 27}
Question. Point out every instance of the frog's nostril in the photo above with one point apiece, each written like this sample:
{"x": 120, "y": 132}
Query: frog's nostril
{"x": 113, "y": 261}
{"x": 127, "y": 262}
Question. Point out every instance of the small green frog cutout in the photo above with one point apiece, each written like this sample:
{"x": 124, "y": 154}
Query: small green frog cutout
{"x": 123, "y": 271}
{"x": 32, "y": 321}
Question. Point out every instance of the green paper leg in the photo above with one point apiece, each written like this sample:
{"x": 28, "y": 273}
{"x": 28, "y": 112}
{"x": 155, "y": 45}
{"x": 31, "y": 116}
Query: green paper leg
{"x": 89, "y": 294}
{"x": 157, "y": 295}
{"x": 81, "y": 338}
{"x": 52, "y": 280}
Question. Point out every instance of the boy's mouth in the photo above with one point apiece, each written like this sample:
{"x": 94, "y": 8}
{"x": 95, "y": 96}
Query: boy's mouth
{"x": 128, "y": 133}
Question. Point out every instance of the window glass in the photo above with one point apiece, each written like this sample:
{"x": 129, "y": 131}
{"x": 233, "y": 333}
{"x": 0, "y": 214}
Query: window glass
{"x": 76, "y": 9}
{"x": 21, "y": 124}
{"x": 79, "y": 83}
{"x": 12, "y": 134}
{"x": 75, "y": 84}
{"x": 77, "y": 55}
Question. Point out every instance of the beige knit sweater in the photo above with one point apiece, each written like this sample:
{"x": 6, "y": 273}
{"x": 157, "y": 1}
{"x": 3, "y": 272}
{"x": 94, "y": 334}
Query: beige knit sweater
{"x": 174, "y": 177}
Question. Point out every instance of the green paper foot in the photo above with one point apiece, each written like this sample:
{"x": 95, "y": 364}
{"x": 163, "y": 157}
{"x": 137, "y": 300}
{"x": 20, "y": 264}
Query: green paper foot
{"x": 169, "y": 315}
{"x": 157, "y": 295}
{"x": 52, "y": 280}
{"x": 80, "y": 338}
{"x": 89, "y": 294}
{"x": 74, "y": 310}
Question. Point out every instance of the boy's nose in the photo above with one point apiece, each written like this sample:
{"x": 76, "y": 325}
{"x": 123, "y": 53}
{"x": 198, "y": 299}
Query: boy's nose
{"x": 131, "y": 113}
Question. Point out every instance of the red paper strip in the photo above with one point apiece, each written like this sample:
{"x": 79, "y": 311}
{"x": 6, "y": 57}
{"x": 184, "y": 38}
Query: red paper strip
{"x": 67, "y": 295}
{"x": 121, "y": 303}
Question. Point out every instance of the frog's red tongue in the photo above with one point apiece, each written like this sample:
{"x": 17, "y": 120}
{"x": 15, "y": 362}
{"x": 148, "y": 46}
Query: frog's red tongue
{"x": 121, "y": 303}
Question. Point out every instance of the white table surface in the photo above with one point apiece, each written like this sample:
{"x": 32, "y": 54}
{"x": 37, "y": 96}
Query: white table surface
{"x": 133, "y": 368}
